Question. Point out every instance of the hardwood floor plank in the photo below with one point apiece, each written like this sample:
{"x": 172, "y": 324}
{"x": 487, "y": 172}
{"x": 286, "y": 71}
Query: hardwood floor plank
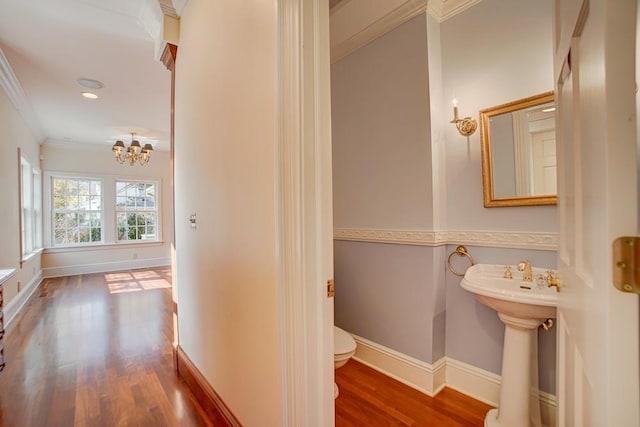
{"x": 95, "y": 350}
{"x": 369, "y": 398}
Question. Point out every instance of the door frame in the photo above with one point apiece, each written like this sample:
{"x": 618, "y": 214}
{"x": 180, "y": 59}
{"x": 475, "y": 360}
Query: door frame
{"x": 305, "y": 217}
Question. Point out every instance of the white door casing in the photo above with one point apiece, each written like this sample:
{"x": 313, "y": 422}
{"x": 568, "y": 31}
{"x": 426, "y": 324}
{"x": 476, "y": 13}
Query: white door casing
{"x": 305, "y": 224}
{"x": 598, "y": 358}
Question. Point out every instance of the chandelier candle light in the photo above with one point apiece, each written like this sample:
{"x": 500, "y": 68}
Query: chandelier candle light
{"x": 134, "y": 153}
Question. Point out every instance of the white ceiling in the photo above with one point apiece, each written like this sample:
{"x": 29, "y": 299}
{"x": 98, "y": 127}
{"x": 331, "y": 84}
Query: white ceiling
{"x": 51, "y": 43}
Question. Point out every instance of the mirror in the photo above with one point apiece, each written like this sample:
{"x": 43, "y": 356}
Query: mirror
{"x": 519, "y": 152}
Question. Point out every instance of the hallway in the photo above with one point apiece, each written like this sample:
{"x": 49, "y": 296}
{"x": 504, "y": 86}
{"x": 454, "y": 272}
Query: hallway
{"x": 95, "y": 350}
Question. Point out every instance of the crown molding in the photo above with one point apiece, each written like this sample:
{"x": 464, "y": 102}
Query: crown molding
{"x": 179, "y": 5}
{"x": 386, "y": 20}
{"x": 492, "y": 239}
{"x": 385, "y": 23}
{"x": 12, "y": 87}
{"x": 442, "y": 10}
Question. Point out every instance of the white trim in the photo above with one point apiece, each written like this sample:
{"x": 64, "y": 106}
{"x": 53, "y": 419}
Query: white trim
{"x": 14, "y": 306}
{"x": 485, "y": 386}
{"x": 179, "y": 5}
{"x": 441, "y": 10}
{"x": 12, "y": 87}
{"x": 474, "y": 382}
{"x": 72, "y": 270}
{"x": 304, "y": 214}
{"x": 492, "y": 239}
{"x": 386, "y": 23}
{"x": 424, "y": 377}
{"x": 290, "y": 236}
{"x": 447, "y": 372}
{"x": 105, "y": 246}
{"x": 445, "y": 9}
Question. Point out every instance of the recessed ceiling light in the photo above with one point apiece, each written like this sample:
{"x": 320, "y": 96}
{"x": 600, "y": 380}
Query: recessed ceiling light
{"x": 89, "y": 95}
{"x": 90, "y": 83}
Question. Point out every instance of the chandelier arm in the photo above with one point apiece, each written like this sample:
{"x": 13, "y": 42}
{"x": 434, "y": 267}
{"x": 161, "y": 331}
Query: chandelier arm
{"x": 134, "y": 153}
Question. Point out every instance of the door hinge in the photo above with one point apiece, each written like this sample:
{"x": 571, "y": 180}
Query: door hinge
{"x": 626, "y": 257}
{"x": 331, "y": 288}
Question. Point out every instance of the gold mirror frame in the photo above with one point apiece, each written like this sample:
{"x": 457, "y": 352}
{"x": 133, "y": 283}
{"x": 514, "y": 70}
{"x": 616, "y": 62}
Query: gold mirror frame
{"x": 490, "y": 200}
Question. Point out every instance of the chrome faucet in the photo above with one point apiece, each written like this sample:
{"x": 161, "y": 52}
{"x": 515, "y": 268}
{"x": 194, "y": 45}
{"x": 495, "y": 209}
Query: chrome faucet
{"x": 525, "y": 267}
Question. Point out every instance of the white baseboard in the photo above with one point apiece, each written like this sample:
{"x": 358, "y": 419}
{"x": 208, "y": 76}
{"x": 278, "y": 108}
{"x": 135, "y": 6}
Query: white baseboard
{"x": 474, "y": 382}
{"x": 14, "y": 306}
{"x": 425, "y": 377}
{"x": 431, "y": 378}
{"x": 72, "y": 270}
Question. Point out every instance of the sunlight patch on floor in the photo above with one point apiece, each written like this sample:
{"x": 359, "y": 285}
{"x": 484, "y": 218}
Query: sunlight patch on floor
{"x": 135, "y": 281}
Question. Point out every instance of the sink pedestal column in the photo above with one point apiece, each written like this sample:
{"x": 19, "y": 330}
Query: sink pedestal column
{"x": 518, "y": 408}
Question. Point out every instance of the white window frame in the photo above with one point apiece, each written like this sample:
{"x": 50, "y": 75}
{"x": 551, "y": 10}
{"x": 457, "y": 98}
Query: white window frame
{"x": 155, "y": 211}
{"x": 109, "y": 230}
{"x": 52, "y": 211}
{"x": 30, "y": 180}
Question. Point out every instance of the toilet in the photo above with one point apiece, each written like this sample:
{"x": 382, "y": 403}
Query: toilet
{"x": 344, "y": 347}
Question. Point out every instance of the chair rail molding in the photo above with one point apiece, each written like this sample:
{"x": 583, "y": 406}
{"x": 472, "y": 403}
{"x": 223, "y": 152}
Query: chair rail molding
{"x": 494, "y": 239}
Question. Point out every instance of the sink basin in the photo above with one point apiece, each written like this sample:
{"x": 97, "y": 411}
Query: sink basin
{"x": 522, "y": 307}
{"x": 512, "y": 297}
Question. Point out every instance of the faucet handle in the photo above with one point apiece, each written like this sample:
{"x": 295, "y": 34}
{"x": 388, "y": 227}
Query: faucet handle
{"x": 507, "y": 272}
{"x": 553, "y": 280}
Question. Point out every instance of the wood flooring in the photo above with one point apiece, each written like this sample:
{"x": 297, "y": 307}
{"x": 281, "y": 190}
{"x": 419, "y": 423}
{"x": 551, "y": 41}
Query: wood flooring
{"x": 369, "y": 398}
{"x": 95, "y": 350}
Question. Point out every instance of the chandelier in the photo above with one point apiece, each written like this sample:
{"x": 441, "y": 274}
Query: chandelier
{"x": 134, "y": 153}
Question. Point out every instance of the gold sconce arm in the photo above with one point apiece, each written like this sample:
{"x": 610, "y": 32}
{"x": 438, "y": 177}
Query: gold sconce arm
{"x": 466, "y": 126}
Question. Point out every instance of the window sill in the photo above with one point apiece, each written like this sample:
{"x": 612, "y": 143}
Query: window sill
{"x": 103, "y": 246}
{"x": 28, "y": 257}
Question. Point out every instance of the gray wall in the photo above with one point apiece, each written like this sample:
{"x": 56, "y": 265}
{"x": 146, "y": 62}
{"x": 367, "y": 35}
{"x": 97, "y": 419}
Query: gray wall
{"x": 388, "y": 174}
{"x": 494, "y": 52}
{"x": 390, "y": 294}
{"x": 380, "y": 109}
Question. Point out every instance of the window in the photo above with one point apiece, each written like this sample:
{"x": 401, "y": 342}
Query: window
{"x": 31, "y": 208}
{"x": 100, "y": 209}
{"x": 77, "y": 211}
{"x": 136, "y": 210}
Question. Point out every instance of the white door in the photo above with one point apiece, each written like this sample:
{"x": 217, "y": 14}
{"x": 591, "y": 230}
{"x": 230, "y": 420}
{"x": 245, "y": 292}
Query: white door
{"x": 543, "y": 149}
{"x": 598, "y": 326}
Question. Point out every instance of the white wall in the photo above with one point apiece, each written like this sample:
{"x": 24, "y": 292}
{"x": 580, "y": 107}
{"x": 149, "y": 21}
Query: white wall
{"x": 76, "y": 158}
{"x": 14, "y": 135}
{"x": 225, "y": 112}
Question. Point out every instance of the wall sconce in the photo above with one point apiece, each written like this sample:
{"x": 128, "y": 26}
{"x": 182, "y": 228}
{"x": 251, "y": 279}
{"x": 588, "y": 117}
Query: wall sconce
{"x": 466, "y": 126}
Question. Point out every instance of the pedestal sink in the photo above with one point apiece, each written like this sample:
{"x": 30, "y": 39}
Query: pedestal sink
{"x": 522, "y": 307}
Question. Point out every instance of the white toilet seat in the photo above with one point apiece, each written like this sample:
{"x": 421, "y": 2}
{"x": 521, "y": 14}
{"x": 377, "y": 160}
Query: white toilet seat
{"x": 343, "y": 343}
